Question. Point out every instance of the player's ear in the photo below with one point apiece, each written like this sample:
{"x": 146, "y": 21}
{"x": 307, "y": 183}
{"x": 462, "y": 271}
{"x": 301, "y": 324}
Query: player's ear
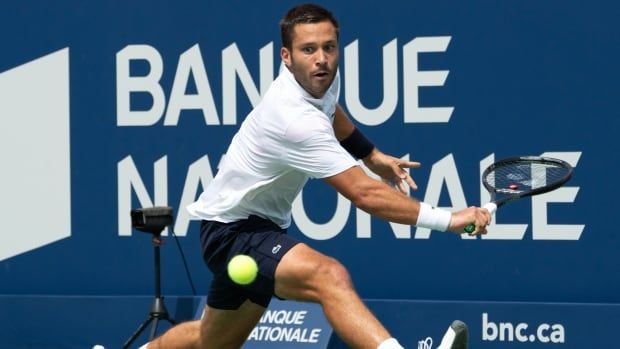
{"x": 285, "y": 54}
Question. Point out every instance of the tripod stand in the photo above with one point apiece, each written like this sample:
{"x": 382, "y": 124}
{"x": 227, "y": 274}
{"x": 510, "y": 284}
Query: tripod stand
{"x": 153, "y": 220}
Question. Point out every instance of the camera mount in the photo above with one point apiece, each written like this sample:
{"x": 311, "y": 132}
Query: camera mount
{"x": 153, "y": 220}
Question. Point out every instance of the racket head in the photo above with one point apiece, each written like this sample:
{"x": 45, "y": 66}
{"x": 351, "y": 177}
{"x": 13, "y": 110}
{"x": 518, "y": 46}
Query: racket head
{"x": 516, "y": 177}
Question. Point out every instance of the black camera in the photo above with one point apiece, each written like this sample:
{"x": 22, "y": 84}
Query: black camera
{"x": 151, "y": 220}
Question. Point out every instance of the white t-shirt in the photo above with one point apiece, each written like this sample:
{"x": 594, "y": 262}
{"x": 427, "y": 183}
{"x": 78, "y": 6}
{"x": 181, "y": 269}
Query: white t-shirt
{"x": 285, "y": 140}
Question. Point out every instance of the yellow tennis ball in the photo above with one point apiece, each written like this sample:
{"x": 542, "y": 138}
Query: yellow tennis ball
{"x": 242, "y": 269}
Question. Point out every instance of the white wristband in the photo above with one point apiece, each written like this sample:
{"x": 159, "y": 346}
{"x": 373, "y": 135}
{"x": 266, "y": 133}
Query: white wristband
{"x": 433, "y": 218}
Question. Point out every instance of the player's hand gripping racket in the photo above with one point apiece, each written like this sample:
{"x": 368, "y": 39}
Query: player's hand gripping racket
{"x": 519, "y": 177}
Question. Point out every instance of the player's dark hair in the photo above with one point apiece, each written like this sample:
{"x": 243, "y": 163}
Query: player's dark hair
{"x": 303, "y": 14}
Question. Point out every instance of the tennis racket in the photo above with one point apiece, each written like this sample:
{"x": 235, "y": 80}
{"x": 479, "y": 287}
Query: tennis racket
{"x": 518, "y": 177}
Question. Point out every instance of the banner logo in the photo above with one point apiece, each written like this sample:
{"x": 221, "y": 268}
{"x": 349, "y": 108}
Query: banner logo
{"x": 34, "y": 147}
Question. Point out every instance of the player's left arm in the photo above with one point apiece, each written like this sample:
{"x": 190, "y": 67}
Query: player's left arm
{"x": 389, "y": 168}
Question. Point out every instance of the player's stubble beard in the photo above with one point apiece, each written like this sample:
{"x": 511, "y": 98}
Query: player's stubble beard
{"x": 304, "y": 78}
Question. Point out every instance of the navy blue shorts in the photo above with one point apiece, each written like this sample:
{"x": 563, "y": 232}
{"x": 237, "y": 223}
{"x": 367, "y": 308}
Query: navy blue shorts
{"x": 260, "y": 238}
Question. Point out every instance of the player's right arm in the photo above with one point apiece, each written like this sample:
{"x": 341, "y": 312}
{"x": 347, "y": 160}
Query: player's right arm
{"x": 389, "y": 168}
{"x": 381, "y": 200}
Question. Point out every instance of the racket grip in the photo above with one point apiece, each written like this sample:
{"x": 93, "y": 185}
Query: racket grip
{"x": 491, "y": 207}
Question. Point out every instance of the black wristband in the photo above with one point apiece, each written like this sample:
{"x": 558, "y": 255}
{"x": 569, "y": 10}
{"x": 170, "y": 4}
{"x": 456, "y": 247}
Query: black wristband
{"x": 357, "y": 144}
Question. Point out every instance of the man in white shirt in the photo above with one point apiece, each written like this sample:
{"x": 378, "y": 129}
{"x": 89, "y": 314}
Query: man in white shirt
{"x": 298, "y": 131}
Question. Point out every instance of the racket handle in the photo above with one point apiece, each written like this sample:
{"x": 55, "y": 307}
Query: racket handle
{"x": 491, "y": 207}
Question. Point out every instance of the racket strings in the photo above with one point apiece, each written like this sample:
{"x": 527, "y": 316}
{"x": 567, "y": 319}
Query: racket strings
{"x": 520, "y": 177}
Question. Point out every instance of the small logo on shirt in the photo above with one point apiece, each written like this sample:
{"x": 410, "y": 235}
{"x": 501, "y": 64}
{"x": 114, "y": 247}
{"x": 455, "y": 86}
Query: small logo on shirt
{"x": 425, "y": 344}
{"x": 276, "y": 248}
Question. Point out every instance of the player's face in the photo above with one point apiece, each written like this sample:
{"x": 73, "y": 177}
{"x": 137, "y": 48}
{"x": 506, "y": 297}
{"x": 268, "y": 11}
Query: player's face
{"x": 313, "y": 58}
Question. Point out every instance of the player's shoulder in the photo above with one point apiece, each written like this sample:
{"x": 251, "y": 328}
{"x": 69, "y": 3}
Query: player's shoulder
{"x": 285, "y": 111}
{"x": 285, "y": 103}
{"x": 284, "y": 99}
{"x": 308, "y": 125}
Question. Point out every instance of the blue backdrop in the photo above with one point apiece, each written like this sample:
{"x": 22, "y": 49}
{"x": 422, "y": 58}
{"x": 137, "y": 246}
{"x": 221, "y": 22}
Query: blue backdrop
{"x": 154, "y": 91}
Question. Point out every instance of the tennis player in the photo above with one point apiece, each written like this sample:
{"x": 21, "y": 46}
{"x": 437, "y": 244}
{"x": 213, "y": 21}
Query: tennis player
{"x": 298, "y": 131}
